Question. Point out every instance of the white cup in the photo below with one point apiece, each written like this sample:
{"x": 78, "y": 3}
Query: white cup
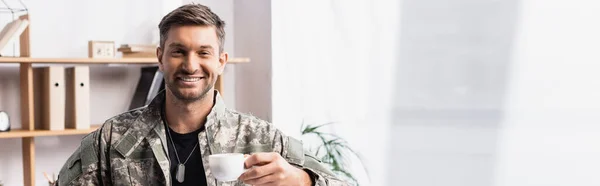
{"x": 226, "y": 167}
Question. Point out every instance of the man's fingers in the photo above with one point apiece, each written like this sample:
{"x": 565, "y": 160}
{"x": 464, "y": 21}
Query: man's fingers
{"x": 260, "y": 171}
{"x": 271, "y": 178}
{"x": 260, "y": 159}
{"x": 269, "y": 184}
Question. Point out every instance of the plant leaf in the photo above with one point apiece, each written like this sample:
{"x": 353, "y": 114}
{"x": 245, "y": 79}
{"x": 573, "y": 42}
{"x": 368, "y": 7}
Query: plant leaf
{"x": 334, "y": 150}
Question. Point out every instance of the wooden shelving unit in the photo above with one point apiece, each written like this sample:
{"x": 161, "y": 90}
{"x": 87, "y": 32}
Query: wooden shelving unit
{"x": 28, "y": 132}
{"x": 21, "y": 133}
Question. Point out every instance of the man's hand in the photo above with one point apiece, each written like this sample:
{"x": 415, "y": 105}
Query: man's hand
{"x": 271, "y": 169}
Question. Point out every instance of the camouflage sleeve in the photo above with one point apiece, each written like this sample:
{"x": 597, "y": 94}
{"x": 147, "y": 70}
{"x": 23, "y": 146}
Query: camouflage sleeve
{"x": 292, "y": 150}
{"x": 82, "y": 167}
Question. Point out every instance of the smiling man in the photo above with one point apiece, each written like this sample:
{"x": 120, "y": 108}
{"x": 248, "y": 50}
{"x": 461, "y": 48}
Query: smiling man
{"x": 168, "y": 142}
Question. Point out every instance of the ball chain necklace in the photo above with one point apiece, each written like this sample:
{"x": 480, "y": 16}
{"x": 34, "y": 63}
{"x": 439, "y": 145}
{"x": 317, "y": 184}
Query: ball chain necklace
{"x": 180, "y": 173}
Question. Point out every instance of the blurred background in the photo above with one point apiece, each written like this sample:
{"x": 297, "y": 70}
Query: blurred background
{"x": 428, "y": 92}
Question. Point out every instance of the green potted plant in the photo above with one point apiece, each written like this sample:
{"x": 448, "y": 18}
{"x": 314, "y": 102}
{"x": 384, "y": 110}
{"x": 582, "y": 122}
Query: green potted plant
{"x": 332, "y": 150}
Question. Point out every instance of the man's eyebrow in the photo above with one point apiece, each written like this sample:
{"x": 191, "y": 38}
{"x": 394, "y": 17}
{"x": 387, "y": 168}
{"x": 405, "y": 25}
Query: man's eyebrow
{"x": 178, "y": 45}
{"x": 206, "y": 47}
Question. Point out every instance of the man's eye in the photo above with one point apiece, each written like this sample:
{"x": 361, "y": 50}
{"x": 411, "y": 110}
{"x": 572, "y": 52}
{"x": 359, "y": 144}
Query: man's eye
{"x": 177, "y": 52}
{"x": 204, "y": 53}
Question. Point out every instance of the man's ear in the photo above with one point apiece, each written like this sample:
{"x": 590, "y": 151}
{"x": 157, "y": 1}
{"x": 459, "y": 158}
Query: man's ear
{"x": 223, "y": 57}
{"x": 159, "y": 53}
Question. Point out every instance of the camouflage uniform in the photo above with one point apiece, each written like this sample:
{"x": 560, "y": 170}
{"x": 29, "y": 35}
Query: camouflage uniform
{"x": 129, "y": 149}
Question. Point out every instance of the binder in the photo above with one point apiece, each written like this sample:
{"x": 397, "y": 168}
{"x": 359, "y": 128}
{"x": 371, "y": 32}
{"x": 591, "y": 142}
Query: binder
{"x": 77, "y": 114}
{"x": 151, "y": 82}
{"x": 53, "y": 98}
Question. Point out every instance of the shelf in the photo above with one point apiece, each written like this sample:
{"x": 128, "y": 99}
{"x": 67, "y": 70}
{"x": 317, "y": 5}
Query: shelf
{"x": 95, "y": 60}
{"x": 20, "y": 133}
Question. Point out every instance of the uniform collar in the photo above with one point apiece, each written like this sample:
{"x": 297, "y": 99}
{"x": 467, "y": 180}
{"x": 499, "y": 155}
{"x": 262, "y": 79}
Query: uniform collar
{"x": 150, "y": 120}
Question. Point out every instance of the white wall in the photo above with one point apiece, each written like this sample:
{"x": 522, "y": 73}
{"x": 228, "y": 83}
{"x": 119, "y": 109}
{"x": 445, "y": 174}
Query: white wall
{"x": 253, "y": 39}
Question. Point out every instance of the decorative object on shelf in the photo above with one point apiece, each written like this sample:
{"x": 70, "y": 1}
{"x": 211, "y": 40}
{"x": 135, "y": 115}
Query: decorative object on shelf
{"x": 16, "y": 27}
{"x": 138, "y": 51}
{"x": 4, "y": 122}
{"x": 101, "y": 49}
{"x": 335, "y": 151}
{"x": 12, "y": 31}
{"x": 77, "y": 97}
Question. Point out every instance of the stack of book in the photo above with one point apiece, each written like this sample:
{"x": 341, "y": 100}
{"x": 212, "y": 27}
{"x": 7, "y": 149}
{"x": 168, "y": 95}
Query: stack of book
{"x": 138, "y": 51}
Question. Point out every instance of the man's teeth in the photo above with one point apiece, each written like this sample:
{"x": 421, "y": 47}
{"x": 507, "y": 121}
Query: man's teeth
{"x": 190, "y": 79}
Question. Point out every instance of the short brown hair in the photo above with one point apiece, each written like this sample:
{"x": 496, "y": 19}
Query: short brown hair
{"x": 192, "y": 14}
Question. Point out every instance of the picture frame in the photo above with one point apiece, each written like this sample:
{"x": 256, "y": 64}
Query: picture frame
{"x": 101, "y": 49}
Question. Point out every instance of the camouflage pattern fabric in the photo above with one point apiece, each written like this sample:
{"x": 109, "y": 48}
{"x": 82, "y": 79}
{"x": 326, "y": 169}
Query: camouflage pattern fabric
{"x": 129, "y": 149}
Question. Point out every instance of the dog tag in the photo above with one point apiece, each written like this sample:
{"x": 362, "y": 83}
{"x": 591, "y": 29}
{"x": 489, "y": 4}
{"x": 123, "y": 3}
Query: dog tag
{"x": 180, "y": 174}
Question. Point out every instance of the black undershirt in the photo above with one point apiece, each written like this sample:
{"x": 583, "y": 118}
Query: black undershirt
{"x": 185, "y": 143}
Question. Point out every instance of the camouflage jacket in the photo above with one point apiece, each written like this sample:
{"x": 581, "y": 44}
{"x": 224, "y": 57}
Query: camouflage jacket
{"x": 129, "y": 149}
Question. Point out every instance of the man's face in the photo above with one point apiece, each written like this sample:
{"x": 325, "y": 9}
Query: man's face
{"x": 190, "y": 61}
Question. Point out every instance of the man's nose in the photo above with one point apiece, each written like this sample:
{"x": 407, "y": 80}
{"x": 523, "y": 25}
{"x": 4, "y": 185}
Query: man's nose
{"x": 192, "y": 64}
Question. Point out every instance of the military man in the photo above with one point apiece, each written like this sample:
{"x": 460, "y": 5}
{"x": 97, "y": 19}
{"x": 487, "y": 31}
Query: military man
{"x": 187, "y": 122}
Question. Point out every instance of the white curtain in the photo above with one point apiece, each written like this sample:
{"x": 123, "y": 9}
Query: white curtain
{"x": 332, "y": 62}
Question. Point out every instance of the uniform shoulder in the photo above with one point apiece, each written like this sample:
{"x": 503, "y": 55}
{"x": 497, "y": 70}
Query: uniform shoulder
{"x": 127, "y": 117}
{"x": 120, "y": 123}
{"x": 247, "y": 119}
